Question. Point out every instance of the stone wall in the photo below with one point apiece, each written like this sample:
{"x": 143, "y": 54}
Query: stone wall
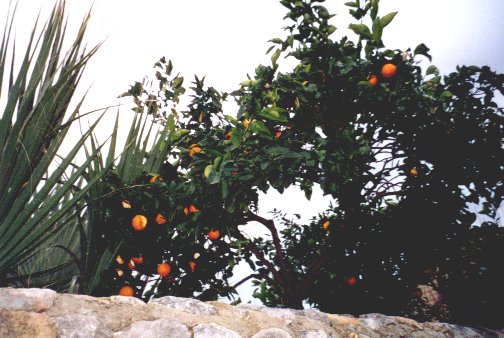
{"x": 45, "y": 313}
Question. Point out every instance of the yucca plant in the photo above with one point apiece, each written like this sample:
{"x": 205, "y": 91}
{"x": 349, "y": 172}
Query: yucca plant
{"x": 38, "y": 196}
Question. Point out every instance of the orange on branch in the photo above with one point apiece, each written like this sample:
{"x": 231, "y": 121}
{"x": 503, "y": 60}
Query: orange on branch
{"x": 160, "y": 219}
{"x": 373, "y": 80}
{"x": 192, "y": 265}
{"x": 137, "y": 260}
{"x": 163, "y": 269}
{"x": 278, "y": 133}
{"x": 228, "y": 135}
{"x": 126, "y": 204}
{"x": 126, "y": 291}
{"x": 388, "y": 70}
{"x": 156, "y": 178}
{"x": 326, "y": 225}
{"x": 213, "y": 234}
{"x": 119, "y": 260}
{"x": 139, "y": 222}
{"x": 413, "y": 172}
{"x": 246, "y": 123}
{"x": 194, "y": 150}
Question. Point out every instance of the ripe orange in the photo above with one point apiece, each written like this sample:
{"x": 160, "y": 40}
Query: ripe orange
{"x": 137, "y": 260}
{"x": 351, "y": 280}
{"x": 194, "y": 150}
{"x": 278, "y": 133}
{"x": 126, "y": 291}
{"x": 413, "y": 172}
{"x": 326, "y": 225}
{"x": 126, "y": 204}
{"x": 156, "y": 178}
{"x": 139, "y": 222}
{"x": 228, "y": 135}
{"x": 119, "y": 260}
{"x": 160, "y": 219}
{"x": 388, "y": 70}
{"x": 163, "y": 269}
{"x": 213, "y": 234}
{"x": 119, "y": 272}
{"x": 190, "y": 209}
{"x": 131, "y": 264}
{"x": 246, "y": 123}
{"x": 192, "y": 265}
{"x": 373, "y": 80}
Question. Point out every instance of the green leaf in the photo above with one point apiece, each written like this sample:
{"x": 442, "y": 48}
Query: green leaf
{"x": 387, "y": 19}
{"x": 422, "y": 49}
{"x": 275, "y": 57}
{"x": 432, "y": 70}
{"x": 177, "y": 82}
{"x": 361, "y": 30}
{"x": 169, "y": 68}
{"x": 331, "y": 29}
{"x": 274, "y": 114}
{"x": 352, "y": 4}
{"x": 208, "y": 171}
{"x": 374, "y": 9}
{"x": 377, "y": 30}
{"x": 260, "y": 128}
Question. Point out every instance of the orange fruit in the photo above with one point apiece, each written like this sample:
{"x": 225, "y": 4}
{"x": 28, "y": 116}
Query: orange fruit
{"x": 126, "y": 291}
{"x": 192, "y": 265}
{"x": 373, "y": 80}
{"x": 388, "y": 70}
{"x": 194, "y": 150}
{"x": 192, "y": 209}
{"x": 139, "y": 222}
{"x": 163, "y": 269}
{"x": 156, "y": 178}
{"x": 213, "y": 234}
{"x": 137, "y": 260}
{"x": 119, "y": 272}
{"x": 413, "y": 172}
{"x": 326, "y": 225}
{"x": 351, "y": 280}
{"x": 126, "y": 204}
{"x": 131, "y": 264}
{"x": 278, "y": 133}
{"x": 186, "y": 211}
{"x": 160, "y": 219}
{"x": 246, "y": 123}
{"x": 119, "y": 260}
{"x": 228, "y": 135}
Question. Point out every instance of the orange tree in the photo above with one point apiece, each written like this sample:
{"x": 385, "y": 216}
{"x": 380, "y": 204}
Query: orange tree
{"x": 363, "y": 122}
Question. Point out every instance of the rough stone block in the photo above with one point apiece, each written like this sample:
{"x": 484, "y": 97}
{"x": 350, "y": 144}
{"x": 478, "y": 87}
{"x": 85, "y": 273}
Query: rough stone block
{"x": 188, "y": 305}
{"x": 34, "y": 300}
{"x": 213, "y": 331}
{"x": 160, "y": 328}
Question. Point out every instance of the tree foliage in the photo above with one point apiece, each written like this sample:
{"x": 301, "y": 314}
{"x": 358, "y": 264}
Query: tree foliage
{"x": 400, "y": 149}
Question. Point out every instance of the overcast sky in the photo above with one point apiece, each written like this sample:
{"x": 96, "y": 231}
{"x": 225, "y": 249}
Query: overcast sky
{"x": 226, "y": 39}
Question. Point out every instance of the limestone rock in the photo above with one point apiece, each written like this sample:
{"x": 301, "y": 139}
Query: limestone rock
{"x": 33, "y": 300}
{"x": 313, "y": 334}
{"x": 26, "y": 324}
{"x": 213, "y": 331}
{"x": 185, "y": 304}
{"x": 81, "y": 326}
{"x": 157, "y": 328}
{"x": 272, "y": 333}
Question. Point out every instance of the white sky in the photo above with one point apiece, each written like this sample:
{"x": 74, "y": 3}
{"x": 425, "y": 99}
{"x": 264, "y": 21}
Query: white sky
{"x": 226, "y": 39}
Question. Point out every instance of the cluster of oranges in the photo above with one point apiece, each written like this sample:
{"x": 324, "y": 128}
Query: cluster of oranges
{"x": 139, "y": 223}
{"x": 388, "y": 71}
